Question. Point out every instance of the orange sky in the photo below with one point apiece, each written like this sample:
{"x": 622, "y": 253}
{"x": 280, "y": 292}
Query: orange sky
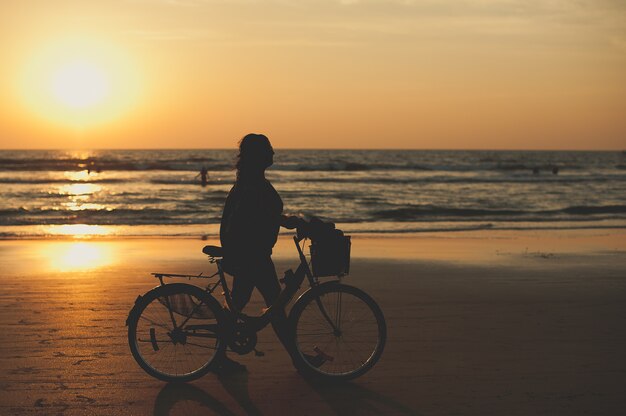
{"x": 514, "y": 74}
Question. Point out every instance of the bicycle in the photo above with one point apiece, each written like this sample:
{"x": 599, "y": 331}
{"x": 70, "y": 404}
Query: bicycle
{"x": 179, "y": 331}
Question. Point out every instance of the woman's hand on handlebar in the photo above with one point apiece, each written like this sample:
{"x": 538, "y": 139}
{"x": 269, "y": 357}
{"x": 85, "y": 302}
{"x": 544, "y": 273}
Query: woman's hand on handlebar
{"x": 289, "y": 222}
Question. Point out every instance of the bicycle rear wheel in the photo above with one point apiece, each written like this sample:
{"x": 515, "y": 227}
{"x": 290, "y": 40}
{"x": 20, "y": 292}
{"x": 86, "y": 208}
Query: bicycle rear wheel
{"x": 339, "y": 330}
{"x": 175, "y": 332}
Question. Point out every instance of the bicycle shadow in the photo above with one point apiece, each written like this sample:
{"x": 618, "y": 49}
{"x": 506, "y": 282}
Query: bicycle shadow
{"x": 351, "y": 399}
{"x": 343, "y": 398}
{"x": 237, "y": 386}
{"x": 187, "y": 399}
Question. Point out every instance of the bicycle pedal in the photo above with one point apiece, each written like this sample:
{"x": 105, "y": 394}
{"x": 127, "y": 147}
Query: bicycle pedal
{"x": 323, "y": 355}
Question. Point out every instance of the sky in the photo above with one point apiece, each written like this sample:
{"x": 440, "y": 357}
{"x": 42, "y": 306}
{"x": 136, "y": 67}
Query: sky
{"x": 434, "y": 74}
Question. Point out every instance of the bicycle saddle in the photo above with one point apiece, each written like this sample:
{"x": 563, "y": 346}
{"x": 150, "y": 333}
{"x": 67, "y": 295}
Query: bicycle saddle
{"x": 213, "y": 251}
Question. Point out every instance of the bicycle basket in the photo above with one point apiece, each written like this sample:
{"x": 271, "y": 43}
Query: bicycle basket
{"x": 183, "y": 304}
{"x": 331, "y": 256}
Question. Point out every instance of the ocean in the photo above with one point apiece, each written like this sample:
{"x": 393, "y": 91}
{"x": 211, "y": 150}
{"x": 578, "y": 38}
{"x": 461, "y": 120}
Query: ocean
{"x": 157, "y": 192}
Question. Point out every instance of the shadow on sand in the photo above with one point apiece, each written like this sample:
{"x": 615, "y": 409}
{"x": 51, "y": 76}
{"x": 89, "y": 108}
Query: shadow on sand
{"x": 351, "y": 399}
{"x": 181, "y": 398}
{"x": 342, "y": 398}
{"x": 187, "y": 399}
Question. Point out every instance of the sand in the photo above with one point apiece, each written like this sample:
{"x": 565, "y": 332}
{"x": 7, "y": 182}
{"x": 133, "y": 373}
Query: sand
{"x": 514, "y": 323}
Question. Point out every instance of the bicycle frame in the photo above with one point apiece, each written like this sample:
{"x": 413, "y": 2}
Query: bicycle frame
{"x": 285, "y": 296}
{"x": 256, "y": 323}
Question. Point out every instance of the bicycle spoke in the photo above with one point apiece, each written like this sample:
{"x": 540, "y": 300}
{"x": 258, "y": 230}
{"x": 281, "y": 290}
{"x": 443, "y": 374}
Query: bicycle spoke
{"x": 358, "y": 336}
{"x": 156, "y": 340}
{"x": 201, "y": 346}
{"x": 300, "y": 334}
{"x": 154, "y": 323}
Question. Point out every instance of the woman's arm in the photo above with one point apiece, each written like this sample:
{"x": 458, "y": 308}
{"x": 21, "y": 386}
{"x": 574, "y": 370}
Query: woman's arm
{"x": 289, "y": 222}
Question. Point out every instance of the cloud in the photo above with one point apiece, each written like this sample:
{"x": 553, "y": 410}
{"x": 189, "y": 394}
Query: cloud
{"x": 169, "y": 34}
{"x": 348, "y": 22}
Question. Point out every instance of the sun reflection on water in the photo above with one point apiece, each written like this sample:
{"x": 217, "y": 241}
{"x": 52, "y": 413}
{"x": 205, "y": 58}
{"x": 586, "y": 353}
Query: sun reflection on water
{"x": 76, "y": 206}
{"x": 76, "y": 189}
{"x": 78, "y": 230}
{"x": 78, "y": 154}
{"x": 82, "y": 175}
{"x": 77, "y": 256}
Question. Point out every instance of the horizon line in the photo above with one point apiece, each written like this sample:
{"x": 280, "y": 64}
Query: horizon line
{"x": 325, "y": 148}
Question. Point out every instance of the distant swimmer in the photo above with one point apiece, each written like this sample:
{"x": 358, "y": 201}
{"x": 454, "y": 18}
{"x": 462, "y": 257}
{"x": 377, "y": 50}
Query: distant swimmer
{"x": 93, "y": 168}
{"x": 204, "y": 176}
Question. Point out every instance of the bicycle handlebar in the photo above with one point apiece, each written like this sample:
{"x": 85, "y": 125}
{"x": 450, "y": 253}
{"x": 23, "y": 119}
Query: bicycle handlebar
{"x": 315, "y": 229}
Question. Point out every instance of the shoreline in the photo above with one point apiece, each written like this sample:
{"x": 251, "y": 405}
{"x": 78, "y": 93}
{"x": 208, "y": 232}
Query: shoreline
{"x": 365, "y": 234}
{"x": 490, "y": 247}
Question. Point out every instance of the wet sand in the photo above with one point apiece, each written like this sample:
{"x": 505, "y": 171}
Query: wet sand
{"x": 512, "y": 323}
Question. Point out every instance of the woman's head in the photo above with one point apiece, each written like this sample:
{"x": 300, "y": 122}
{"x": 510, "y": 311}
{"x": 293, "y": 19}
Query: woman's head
{"x": 255, "y": 154}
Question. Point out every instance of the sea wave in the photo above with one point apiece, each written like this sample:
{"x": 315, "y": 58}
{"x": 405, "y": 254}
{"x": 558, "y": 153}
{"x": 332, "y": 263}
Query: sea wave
{"x": 190, "y": 165}
{"x": 444, "y": 179}
{"x": 191, "y": 213}
{"x": 106, "y": 216}
{"x": 427, "y": 212}
{"x": 311, "y": 160}
{"x": 467, "y": 180}
{"x": 344, "y": 166}
{"x": 108, "y": 164}
{"x": 182, "y": 181}
{"x": 534, "y": 166}
{"x": 194, "y": 164}
{"x": 202, "y": 231}
{"x": 40, "y": 181}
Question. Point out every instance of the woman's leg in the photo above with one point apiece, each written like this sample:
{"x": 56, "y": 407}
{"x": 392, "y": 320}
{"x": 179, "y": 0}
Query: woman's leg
{"x": 243, "y": 285}
{"x": 240, "y": 294}
{"x": 267, "y": 283}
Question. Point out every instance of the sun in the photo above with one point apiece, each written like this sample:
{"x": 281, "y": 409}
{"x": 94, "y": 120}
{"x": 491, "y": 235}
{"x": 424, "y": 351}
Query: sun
{"x": 80, "y": 84}
{"x": 78, "y": 81}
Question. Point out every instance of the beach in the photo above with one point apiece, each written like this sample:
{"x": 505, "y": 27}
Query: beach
{"x": 482, "y": 322}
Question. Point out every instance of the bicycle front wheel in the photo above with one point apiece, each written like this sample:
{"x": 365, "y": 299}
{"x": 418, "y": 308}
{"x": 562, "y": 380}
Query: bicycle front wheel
{"x": 339, "y": 330}
{"x": 175, "y": 332}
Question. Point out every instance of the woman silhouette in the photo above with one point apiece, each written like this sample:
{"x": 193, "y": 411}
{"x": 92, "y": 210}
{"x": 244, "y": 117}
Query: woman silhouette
{"x": 250, "y": 223}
